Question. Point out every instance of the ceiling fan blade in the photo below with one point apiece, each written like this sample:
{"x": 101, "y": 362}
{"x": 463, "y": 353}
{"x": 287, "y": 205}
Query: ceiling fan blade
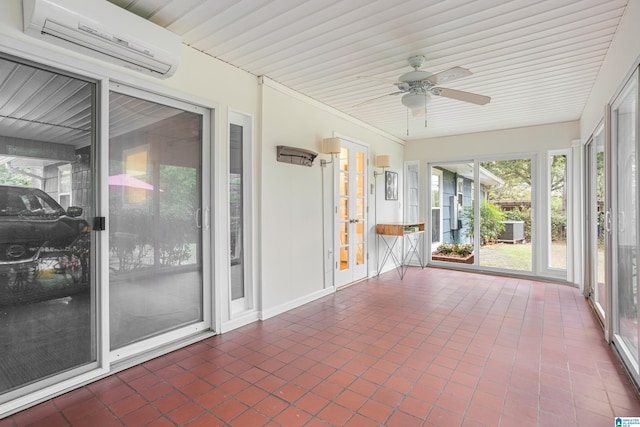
{"x": 378, "y": 79}
{"x": 461, "y": 95}
{"x": 449, "y": 75}
{"x": 368, "y": 101}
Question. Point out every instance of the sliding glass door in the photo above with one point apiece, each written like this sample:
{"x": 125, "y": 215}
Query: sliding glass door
{"x": 48, "y": 311}
{"x": 481, "y": 213}
{"x": 624, "y": 138}
{"x": 155, "y": 218}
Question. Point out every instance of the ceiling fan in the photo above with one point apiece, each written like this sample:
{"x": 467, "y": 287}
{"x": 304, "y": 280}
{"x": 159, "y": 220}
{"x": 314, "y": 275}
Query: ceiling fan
{"x": 417, "y": 86}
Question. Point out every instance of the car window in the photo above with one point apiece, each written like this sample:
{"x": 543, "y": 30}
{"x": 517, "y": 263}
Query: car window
{"x": 39, "y": 205}
{"x": 13, "y": 206}
{"x": 28, "y": 202}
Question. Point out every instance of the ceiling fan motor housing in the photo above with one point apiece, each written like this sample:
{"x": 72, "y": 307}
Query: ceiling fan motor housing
{"x": 414, "y": 76}
{"x": 417, "y": 61}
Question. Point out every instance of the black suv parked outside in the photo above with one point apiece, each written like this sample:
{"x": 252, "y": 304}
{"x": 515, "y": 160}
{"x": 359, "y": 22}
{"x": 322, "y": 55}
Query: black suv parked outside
{"x": 43, "y": 248}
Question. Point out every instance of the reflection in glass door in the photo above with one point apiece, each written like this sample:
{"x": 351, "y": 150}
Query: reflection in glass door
{"x": 351, "y": 203}
{"x": 624, "y": 125}
{"x": 47, "y": 295}
{"x": 155, "y": 218}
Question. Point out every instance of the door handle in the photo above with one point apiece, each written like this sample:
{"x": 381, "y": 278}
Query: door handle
{"x": 198, "y": 219}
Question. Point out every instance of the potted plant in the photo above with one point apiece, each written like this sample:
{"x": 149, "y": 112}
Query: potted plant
{"x": 454, "y": 252}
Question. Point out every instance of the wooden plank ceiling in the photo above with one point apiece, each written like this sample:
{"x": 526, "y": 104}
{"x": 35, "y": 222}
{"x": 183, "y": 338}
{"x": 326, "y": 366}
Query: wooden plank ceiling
{"x": 537, "y": 60}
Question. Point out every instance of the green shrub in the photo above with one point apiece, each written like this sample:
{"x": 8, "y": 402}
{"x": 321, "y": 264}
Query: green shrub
{"x": 558, "y": 227}
{"x": 491, "y": 221}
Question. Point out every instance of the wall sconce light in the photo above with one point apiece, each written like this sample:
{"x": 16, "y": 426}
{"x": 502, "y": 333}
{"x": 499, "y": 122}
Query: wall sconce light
{"x": 381, "y": 162}
{"x": 330, "y": 146}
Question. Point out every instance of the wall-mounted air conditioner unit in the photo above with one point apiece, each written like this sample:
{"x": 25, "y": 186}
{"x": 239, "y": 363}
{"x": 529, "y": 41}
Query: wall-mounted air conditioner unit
{"x": 106, "y": 31}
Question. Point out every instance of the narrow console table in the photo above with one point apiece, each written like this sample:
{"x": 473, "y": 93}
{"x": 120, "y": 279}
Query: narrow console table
{"x": 400, "y": 235}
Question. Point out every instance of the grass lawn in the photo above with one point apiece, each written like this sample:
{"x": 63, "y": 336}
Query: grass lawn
{"x": 518, "y": 256}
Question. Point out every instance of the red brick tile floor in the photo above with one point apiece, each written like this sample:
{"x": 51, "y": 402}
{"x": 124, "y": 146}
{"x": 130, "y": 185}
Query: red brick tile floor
{"x": 440, "y": 347}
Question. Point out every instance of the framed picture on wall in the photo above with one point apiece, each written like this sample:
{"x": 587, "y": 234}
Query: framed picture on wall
{"x": 391, "y": 185}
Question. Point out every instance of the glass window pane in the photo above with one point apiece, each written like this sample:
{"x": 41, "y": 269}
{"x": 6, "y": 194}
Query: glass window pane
{"x": 359, "y": 162}
{"x": 505, "y": 214}
{"x": 65, "y": 179}
{"x": 344, "y": 258}
{"x": 236, "y": 223}
{"x": 451, "y": 197}
{"x": 558, "y": 203}
{"x": 360, "y": 190}
{"x": 155, "y": 214}
{"x": 344, "y": 208}
{"x": 359, "y": 232}
{"x": 360, "y": 254}
{"x": 344, "y": 184}
{"x": 412, "y": 191}
{"x": 359, "y": 208}
{"x": 344, "y": 233}
{"x": 344, "y": 159}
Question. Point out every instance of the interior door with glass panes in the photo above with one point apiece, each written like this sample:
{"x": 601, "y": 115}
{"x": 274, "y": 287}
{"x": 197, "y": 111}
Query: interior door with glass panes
{"x": 351, "y": 214}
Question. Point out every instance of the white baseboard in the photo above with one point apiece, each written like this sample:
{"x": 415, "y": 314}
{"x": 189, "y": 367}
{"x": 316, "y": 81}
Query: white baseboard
{"x": 385, "y": 269}
{"x": 237, "y": 322}
{"x": 289, "y": 305}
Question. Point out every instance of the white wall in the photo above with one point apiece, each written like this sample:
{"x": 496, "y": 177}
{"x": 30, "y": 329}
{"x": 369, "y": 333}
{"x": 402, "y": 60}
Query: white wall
{"x": 292, "y": 204}
{"x": 530, "y": 139}
{"x": 622, "y": 57}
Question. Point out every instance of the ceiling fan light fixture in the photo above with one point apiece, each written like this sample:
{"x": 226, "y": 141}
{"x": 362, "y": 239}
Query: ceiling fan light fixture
{"x": 415, "y": 100}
